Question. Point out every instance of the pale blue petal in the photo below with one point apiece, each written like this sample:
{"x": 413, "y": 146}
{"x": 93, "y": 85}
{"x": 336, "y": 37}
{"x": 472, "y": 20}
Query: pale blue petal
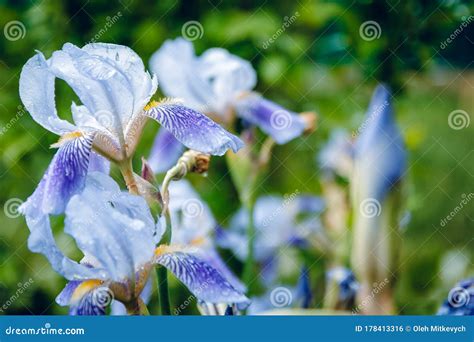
{"x": 41, "y": 240}
{"x": 191, "y": 217}
{"x": 98, "y": 163}
{"x": 64, "y": 177}
{"x": 282, "y": 125}
{"x": 210, "y": 82}
{"x": 176, "y": 68}
{"x": 195, "y": 130}
{"x": 165, "y": 152}
{"x": 114, "y": 227}
{"x": 37, "y": 95}
{"x": 204, "y": 281}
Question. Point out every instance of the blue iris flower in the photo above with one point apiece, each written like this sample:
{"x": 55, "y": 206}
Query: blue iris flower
{"x": 118, "y": 237}
{"x": 219, "y": 84}
{"x": 114, "y": 88}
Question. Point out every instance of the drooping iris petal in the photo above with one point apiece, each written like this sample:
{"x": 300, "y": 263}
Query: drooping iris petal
{"x": 85, "y": 297}
{"x": 113, "y": 227}
{"x": 64, "y": 177}
{"x": 380, "y": 156}
{"x": 210, "y": 82}
{"x": 194, "y": 129}
{"x": 211, "y": 257}
{"x": 165, "y": 152}
{"x": 204, "y": 281}
{"x": 281, "y": 124}
{"x": 193, "y": 223}
{"x": 37, "y": 94}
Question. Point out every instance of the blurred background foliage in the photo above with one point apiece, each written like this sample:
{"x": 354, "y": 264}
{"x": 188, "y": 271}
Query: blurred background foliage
{"x": 318, "y": 63}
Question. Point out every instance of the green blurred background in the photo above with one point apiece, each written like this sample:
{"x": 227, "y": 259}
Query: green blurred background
{"x": 319, "y": 62}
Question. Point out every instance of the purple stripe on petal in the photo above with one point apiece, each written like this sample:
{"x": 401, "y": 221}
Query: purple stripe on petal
{"x": 64, "y": 297}
{"x": 203, "y": 280}
{"x": 214, "y": 259}
{"x": 281, "y": 124}
{"x": 93, "y": 303}
{"x": 165, "y": 152}
{"x": 195, "y": 130}
{"x": 64, "y": 177}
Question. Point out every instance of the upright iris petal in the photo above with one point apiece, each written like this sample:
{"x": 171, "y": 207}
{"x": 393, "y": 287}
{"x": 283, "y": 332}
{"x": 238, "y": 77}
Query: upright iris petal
{"x": 208, "y": 83}
{"x": 380, "y": 156}
{"x": 379, "y": 167}
{"x": 194, "y": 129}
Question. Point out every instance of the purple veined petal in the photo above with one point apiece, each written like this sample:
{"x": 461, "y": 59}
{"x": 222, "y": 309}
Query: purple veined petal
{"x": 165, "y": 152}
{"x": 281, "y": 124}
{"x": 210, "y": 256}
{"x": 203, "y": 280}
{"x": 86, "y": 298}
{"x": 64, "y": 297}
{"x": 195, "y": 130}
{"x": 37, "y": 94}
{"x": 65, "y": 176}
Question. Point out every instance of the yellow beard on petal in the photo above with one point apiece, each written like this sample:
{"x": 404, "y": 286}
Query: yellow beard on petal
{"x": 67, "y": 137}
{"x": 85, "y": 287}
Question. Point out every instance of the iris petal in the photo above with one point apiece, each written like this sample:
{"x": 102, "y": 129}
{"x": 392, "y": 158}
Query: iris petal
{"x": 380, "y": 156}
{"x": 194, "y": 129}
{"x": 64, "y": 177}
{"x": 203, "y": 280}
{"x": 281, "y": 124}
{"x": 37, "y": 94}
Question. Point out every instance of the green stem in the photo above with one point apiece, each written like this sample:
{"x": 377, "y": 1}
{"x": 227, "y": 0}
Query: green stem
{"x": 249, "y": 268}
{"x": 162, "y": 272}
